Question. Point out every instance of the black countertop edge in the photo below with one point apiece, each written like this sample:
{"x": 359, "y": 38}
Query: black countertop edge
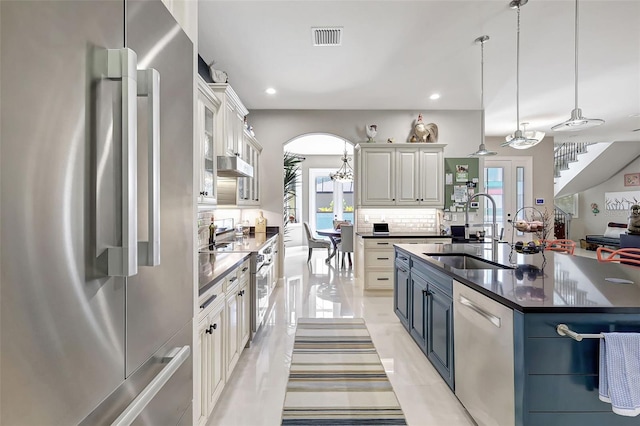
{"x": 401, "y": 235}
{"x": 525, "y": 309}
{"x": 202, "y": 290}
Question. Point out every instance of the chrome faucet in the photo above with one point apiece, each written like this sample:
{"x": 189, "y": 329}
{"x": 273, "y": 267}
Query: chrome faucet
{"x": 494, "y": 225}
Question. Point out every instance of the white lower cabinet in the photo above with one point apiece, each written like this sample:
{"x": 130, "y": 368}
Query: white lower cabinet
{"x": 224, "y": 328}
{"x": 210, "y": 348}
{"x": 244, "y": 313}
{"x": 232, "y": 310}
{"x": 378, "y": 259}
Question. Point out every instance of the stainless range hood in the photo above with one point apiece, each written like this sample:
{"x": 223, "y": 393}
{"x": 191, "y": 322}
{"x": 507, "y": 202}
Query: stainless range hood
{"x": 234, "y": 166}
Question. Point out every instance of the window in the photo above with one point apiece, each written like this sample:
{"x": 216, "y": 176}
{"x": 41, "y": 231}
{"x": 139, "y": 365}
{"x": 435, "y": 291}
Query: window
{"x": 329, "y": 199}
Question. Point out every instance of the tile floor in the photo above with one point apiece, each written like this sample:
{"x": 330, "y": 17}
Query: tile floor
{"x": 255, "y": 392}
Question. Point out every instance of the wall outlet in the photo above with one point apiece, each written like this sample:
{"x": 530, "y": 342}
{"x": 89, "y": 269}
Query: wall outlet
{"x": 455, "y": 217}
{"x": 382, "y": 218}
{"x": 366, "y": 218}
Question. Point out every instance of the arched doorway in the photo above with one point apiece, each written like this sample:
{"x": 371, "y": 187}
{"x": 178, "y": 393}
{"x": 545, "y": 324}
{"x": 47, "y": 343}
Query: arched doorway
{"x": 318, "y": 199}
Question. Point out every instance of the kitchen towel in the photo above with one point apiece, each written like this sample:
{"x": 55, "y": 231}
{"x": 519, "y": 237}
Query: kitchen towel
{"x": 620, "y": 372}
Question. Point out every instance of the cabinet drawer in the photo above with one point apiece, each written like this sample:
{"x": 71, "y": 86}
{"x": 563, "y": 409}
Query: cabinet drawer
{"x": 378, "y": 280}
{"x": 244, "y": 271}
{"x": 379, "y": 259}
{"x": 379, "y": 243}
{"x": 209, "y": 300}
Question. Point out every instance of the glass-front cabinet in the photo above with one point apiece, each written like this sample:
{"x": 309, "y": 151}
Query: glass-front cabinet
{"x": 249, "y": 188}
{"x": 208, "y": 105}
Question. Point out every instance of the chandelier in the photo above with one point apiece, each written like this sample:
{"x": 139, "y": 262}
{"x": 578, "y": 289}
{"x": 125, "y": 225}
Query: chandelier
{"x": 345, "y": 172}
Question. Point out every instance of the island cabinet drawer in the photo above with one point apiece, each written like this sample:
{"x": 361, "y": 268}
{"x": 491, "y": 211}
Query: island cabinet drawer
{"x": 379, "y": 259}
{"x": 379, "y": 280}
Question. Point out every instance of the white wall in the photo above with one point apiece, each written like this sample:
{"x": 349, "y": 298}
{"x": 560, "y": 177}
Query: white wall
{"x": 589, "y": 223}
{"x": 186, "y": 13}
{"x": 459, "y": 129}
{"x": 274, "y": 128}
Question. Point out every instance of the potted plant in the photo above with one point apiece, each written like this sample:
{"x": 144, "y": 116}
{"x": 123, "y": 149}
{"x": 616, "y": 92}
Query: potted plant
{"x": 291, "y": 177}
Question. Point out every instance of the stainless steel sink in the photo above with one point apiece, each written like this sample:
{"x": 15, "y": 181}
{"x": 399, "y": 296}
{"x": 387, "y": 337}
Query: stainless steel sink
{"x": 462, "y": 261}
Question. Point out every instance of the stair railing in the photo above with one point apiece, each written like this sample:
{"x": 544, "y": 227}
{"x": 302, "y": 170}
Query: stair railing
{"x": 567, "y": 153}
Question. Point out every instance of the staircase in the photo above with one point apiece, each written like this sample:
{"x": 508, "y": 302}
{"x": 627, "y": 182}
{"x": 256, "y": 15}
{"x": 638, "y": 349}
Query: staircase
{"x": 580, "y": 166}
{"x": 567, "y": 153}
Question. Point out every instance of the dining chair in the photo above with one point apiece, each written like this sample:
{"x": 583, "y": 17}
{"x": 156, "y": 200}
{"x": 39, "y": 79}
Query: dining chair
{"x": 313, "y": 242}
{"x": 567, "y": 246}
{"x": 628, "y": 256}
{"x": 346, "y": 242}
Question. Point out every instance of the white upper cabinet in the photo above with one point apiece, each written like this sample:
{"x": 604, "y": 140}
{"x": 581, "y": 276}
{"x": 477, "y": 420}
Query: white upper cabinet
{"x": 207, "y": 109}
{"x": 249, "y": 188}
{"x": 377, "y": 178}
{"x": 406, "y": 175}
{"x": 230, "y": 121}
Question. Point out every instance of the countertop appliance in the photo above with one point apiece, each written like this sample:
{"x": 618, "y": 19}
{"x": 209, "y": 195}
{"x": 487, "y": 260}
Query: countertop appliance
{"x": 96, "y": 292}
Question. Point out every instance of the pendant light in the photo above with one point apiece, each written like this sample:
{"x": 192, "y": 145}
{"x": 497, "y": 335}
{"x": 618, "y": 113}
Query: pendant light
{"x": 345, "y": 172}
{"x": 482, "y": 149}
{"x": 519, "y": 139}
{"x": 577, "y": 121}
{"x": 533, "y": 135}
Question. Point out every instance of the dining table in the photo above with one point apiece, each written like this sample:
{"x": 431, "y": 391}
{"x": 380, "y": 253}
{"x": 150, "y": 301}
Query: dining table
{"x": 334, "y": 235}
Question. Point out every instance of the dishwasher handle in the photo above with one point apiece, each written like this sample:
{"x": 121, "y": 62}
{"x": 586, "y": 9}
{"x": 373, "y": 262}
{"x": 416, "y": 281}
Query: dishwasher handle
{"x": 487, "y": 315}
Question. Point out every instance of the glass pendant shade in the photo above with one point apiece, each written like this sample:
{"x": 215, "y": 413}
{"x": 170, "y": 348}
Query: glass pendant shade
{"x": 524, "y": 139}
{"x": 577, "y": 121}
{"x": 482, "y": 149}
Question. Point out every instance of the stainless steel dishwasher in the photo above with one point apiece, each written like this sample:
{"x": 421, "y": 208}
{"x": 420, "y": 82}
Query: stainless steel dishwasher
{"x": 483, "y": 342}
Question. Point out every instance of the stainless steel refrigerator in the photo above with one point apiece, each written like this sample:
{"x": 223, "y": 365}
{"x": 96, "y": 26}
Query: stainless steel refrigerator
{"x": 96, "y": 213}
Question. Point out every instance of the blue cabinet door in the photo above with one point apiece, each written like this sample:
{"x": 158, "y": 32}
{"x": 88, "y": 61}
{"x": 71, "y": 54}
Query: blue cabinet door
{"x": 418, "y": 309}
{"x": 401, "y": 293}
{"x": 440, "y": 332}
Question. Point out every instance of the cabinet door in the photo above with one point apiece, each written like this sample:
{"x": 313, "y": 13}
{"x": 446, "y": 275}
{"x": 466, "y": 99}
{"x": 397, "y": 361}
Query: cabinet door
{"x": 244, "y": 314}
{"x": 431, "y": 175}
{"x": 378, "y": 177}
{"x": 407, "y": 177}
{"x": 206, "y": 128}
{"x": 418, "y": 309}
{"x": 229, "y": 129}
{"x": 202, "y": 411}
{"x": 440, "y": 333}
{"x": 232, "y": 331}
{"x": 401, "y": 294}
{"x": 216, "y": 373}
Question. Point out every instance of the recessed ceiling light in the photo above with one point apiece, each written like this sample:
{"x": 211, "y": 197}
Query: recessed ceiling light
{"x": 270, "y": 91}
{"x": 434, "y": 96}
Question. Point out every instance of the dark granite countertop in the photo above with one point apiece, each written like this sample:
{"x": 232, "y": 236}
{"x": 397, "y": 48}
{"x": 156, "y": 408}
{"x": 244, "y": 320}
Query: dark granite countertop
{"x": 228, "y": 254}
{"x": 403, "y": 234}
{"x": 564, "y": 284}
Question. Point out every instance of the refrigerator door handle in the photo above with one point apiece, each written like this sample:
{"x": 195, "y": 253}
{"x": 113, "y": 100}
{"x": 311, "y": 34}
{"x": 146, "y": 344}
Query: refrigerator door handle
{"x": 149, "y": 86}
{"x": 176, "y": 358}
{"x": 121, "y": 64}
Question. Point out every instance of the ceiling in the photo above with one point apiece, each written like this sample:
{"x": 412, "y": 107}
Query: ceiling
{"x": 395, "y": 54}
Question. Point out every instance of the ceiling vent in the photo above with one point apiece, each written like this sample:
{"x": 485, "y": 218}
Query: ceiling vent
{"x": 326, "y": 36}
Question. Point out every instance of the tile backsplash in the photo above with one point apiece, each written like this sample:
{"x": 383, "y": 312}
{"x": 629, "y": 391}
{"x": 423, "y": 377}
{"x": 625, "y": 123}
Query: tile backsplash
{"x": 399, "y": 220}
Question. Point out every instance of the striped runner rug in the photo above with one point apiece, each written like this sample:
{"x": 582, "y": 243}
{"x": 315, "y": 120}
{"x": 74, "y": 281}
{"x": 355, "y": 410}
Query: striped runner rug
{"x": 336, "y": 377}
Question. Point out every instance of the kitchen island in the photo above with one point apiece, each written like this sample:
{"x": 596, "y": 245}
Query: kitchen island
{"x": 489, "y": 328}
